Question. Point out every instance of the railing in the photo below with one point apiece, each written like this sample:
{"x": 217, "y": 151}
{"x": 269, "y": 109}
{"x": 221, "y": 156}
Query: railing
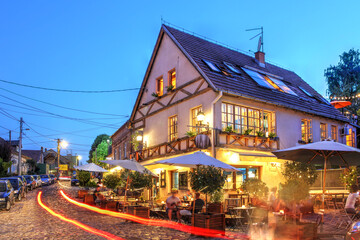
{"x": 242, "y": 141}
{"x": 223, "y": 139}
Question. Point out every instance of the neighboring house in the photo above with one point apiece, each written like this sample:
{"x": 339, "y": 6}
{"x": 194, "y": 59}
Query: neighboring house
{"x": 50, "y": 158}
{"x": 121, "y": 147}
{"x": 36, "y": 155}
{"x": 255, "y": 99}
{"x": 14, "y": 160}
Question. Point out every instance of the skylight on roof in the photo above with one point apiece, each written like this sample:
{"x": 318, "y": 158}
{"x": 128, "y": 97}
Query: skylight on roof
{"x": 212, "y": 66}
{"x": 282, "y": 86}
{"x": 306, "y": 92}
{"x": 258, "y": 78}
{"x": 232, "y": 67}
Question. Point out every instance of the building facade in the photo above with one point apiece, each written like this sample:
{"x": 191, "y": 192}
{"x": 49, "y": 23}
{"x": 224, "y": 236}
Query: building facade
{"x": 249, "y": 109}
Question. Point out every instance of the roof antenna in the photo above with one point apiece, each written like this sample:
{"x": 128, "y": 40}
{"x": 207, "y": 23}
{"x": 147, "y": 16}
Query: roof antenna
{"x": 261, "y": 38}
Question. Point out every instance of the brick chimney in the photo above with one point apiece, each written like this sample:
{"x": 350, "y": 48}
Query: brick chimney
{"x": 42, "y": 155}
{"x": 260, "y": 58}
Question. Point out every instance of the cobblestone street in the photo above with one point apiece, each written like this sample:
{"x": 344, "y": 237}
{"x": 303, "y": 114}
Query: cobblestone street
{"x": 27, "y": 220}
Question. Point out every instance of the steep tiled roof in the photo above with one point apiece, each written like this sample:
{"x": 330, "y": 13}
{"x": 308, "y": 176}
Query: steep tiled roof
{"x": 33, "y": 154}
{"x": 241, "y": 84}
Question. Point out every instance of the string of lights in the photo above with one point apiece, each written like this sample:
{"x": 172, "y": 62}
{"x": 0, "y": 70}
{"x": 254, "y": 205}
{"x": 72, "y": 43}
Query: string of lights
{"x": 357, "y": 96}
{"x": 68, "y": 90}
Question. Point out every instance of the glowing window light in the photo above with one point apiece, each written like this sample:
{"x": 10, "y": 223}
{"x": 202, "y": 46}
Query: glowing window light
{"x": 154, "y": 222}
{"x": 76, "y": 223}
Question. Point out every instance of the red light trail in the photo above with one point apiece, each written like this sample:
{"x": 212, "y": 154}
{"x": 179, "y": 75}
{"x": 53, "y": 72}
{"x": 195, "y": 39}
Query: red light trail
{"x": 76, "y": 223}
{"x": 154, "y": 222}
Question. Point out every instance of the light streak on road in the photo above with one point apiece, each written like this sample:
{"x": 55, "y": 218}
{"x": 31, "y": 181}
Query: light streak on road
{"x": 154, "y": 222}
{"x": 76, "y": 223}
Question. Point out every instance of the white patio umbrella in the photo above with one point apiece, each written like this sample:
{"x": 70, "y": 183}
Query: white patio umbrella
{"x": 323, "y": 152}
{"x": 91, "y": 167}
{"x": 196, "y": 159}
{"x": 131, "y": 165}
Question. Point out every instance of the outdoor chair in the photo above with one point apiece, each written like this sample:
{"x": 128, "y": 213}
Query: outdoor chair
{"x": 346, "y": 218}
{"x": 340, "y": 205}
{"x": 236, "y": 220}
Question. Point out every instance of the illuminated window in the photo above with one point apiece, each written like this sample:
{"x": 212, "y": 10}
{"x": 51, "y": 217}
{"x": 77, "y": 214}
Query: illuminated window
{"x": 269, "y": 82}
{"x": 232, "y": 67}
{"x": 350, "y": 139}
{"x": 160, "y": 86}
{"x": 172, "y": 78}
{"x": 183, "y": 180}
{"x": 323, "y": 131}
{"x": 212, "y": 66}
{"x": 242, "y": 118}
{"x": 173, "y": 133}
{"x": 194, "y": 121}
{"x": 306, "y": 130}
{"x": 235, "y": 180}
{"x": 334, "y": 132}
{"x": 282, "y": 86}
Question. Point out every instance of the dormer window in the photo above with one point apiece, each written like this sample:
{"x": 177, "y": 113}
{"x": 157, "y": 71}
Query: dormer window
{"x": 172, "y": 78}
{"x": 269, "y": 82}
{"x": 306, "y": 92}
{"x": 232, "y": 67}
{"x": 160, "y": 86}
{"x": 212, "y": 66}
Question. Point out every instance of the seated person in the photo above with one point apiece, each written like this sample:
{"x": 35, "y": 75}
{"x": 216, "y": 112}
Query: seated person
{"x": 171, "y": 204}
{"x": 188, "y": 196}
{"x": 199, "y": 204}
{"x": 351, "y": 201}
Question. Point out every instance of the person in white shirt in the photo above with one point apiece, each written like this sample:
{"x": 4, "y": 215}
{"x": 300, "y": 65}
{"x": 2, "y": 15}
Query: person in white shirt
{"x": 171, "y": 204}
{"x": 351, "y": 201}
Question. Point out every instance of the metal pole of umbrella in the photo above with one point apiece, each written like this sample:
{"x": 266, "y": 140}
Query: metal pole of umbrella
{"x": 126, "y": 187}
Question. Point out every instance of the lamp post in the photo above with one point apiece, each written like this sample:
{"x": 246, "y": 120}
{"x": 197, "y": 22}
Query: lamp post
{"x": 78, "y": 159}
{"x": 63, "y": 144}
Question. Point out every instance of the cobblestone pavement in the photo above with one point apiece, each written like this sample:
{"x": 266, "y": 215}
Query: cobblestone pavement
{"x": 27, "y": 220}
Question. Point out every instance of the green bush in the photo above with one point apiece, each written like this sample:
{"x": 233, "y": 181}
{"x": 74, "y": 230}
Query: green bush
{"x": 83, "y": 177}
{"x": 349, "y": 177}
{"x": 207, "y": 179}
{"x": 255, "y": 188}
{"x": 294, "y": 191}
{"x": 112, "y": 181}
{"x": 300, "y": 171}
{"x": 217, "y": 197}
{"x": 91, "y": 184}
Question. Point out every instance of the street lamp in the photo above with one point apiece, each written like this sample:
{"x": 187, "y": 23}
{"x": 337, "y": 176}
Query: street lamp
{"x": 63, "y": 144}
{"x": 78, "y": 158}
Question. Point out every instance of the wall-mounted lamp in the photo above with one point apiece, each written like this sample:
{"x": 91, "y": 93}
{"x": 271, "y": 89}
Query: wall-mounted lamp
{"x": 200, "y": 116}
{"x": 139, "y": 138}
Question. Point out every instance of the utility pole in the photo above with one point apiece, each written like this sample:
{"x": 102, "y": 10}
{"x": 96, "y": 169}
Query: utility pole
{"x": 58, "y": 156}
{"x": 20, "y": 145}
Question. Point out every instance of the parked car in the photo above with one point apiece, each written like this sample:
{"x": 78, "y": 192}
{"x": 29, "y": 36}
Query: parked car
{"x": 18, "y": 186}
{"x": 53, "y": 177}
{"x": 64, "y": 178}
{"x": 45, "y": 179}
{"x": 31, "y": 183}
{"x": 23, "y": 179}
{"x": 37, "y": 180}
{"x": 7, "y": 195}
{"x": 74, "y": 181}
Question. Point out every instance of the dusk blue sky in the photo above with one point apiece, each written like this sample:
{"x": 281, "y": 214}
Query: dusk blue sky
{"x": 105, "y": 45}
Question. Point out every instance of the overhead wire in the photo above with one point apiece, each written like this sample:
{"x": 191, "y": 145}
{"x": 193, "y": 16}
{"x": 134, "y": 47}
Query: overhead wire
{"x": 59, "y": 106}
{"x": 68, "y": 90}
{"x": 70, "y": 118}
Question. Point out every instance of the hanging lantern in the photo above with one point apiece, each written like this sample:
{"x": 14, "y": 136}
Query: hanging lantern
{"x": 202, "y": 141}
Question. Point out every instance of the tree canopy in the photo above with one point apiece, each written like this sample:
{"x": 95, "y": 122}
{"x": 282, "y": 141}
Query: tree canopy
{"x": 344, "y": 79}
{"x": 98, "y": 140}
{"x": 100, "y": 153}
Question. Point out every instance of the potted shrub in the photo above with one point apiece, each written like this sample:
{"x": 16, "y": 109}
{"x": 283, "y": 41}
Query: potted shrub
{"x": 208, "y": 180}
{"x": 215, "y": 205}
{"x": 138, "y": 181}
{"x": 112, "y": 181}
{"x": 247, "y": 131}
{"x": 349, "y": 177}
{"x": 229, "y": 129}
{"x": 260, "y": 134}
{"x": 256, "y": 189}
{"x": 272, "y": 136}
{"x": 190, "y": 133}
{"x": 170, "y": 88}
{"x": 155, "y": 95}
